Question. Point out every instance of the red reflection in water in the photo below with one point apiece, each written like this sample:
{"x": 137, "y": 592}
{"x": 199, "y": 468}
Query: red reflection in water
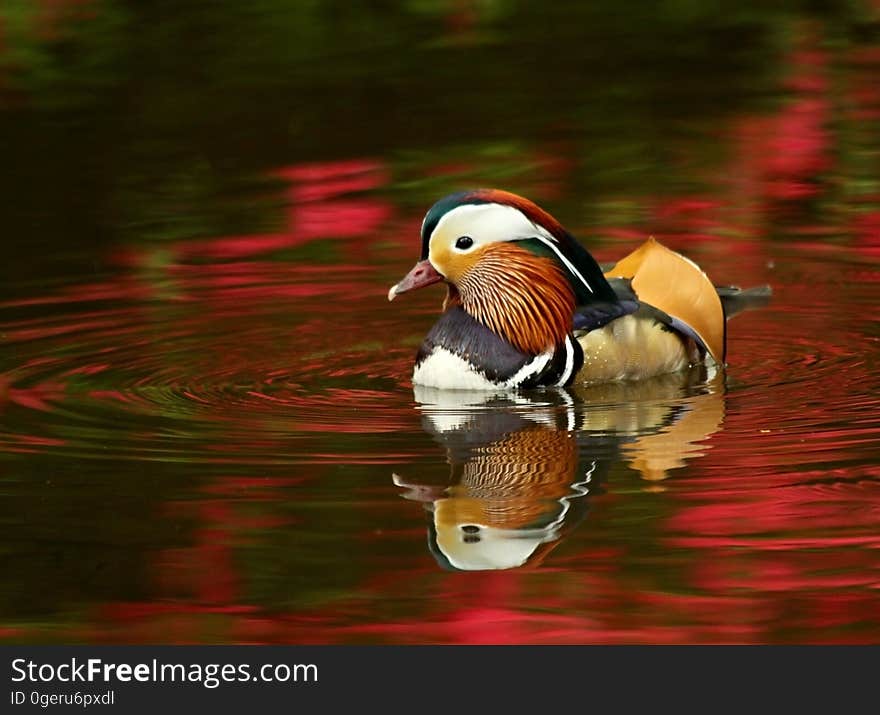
{"x": 316, "y": 210}
{"x": 867, "y": 232}
{"x": 344, "y": 219}
{"x": 41, "y": 397}
{"x": 774, "y": 513}
{"x": 775, "y": 160}
{"x": 732, "y": 563}
{"x": 782, "y": 157}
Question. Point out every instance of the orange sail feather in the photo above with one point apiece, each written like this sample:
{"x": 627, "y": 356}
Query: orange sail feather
{"x": 677, "y": 286}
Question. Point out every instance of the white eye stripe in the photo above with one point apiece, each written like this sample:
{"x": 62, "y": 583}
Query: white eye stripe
{"x": 485, "y": 223}
{"x": 495, "y": 223}
{"x": 532, "y": 367}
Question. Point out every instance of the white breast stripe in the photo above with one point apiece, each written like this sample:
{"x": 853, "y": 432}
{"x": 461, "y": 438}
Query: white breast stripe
{"x": 530, "y": 368}
{"x": 569, "y": 363}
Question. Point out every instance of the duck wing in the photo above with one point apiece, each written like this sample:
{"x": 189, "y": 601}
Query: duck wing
{"x": 678, "y": 288}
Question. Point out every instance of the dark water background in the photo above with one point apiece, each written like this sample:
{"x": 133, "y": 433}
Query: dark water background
{"x": 207, "y": 429}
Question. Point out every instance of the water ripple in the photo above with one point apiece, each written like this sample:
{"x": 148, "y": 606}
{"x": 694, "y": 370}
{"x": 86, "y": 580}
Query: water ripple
{"x": 158, "y": 380}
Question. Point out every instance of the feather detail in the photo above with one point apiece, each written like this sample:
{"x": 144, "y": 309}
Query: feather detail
{"x": 530, "y": 209}
{"x": 452, "y": 298}
{"x": 510, "y": 483}
{"x": 526, "y": 299}
{"x": 667, "y": 280}
{"x": 510, "y": 506}
{"x": 633, "y": 347}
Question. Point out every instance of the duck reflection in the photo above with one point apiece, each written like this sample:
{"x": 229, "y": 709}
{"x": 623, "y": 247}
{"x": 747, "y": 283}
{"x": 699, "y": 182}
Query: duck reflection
{"x": 522, "y": 467}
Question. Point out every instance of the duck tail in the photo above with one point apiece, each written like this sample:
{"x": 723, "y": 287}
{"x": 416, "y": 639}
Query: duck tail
{"x": 735, "y": 300}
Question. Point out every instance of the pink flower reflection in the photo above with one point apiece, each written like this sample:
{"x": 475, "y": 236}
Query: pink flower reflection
{"x": 319, "y": 207}
{"x": 781, "y": 157}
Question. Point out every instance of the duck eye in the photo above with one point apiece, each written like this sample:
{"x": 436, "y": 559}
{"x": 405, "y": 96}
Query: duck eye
{"x": 464, "y": 242}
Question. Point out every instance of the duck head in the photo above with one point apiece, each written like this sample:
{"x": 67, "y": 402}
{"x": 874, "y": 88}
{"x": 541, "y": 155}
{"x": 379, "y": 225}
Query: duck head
{"x": 507, "y": 263}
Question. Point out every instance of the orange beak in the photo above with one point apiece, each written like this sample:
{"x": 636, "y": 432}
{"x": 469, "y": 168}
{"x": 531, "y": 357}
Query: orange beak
{"x": 422, "y": 274}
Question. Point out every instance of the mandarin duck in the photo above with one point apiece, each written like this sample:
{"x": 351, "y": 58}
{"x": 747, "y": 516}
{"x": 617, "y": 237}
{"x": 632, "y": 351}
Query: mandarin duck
{"x": 527, "y": 306}
{"x": 514, "y": 489}
{"x": 522, "y": 466}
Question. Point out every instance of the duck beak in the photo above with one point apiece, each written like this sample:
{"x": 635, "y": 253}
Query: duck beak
{"x": 422, "y": 274}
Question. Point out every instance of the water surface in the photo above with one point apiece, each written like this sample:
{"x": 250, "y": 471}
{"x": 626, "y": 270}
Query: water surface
{"x": 207, "y": 428}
